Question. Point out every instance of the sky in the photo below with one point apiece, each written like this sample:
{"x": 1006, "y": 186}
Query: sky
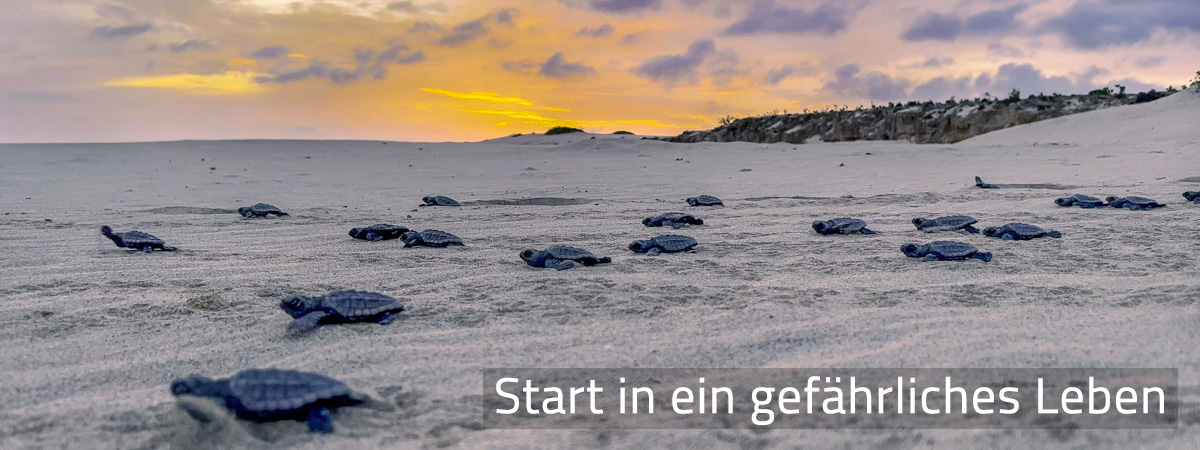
{"x": 465, "y": 70}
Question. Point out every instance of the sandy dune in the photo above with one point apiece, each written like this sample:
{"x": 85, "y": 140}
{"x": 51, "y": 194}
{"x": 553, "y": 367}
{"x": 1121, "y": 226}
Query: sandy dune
{"x": 92, "y": 334}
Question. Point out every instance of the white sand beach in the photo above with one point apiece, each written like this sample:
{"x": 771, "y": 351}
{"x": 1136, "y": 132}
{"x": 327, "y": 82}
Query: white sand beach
{"x": 91, "y": 335}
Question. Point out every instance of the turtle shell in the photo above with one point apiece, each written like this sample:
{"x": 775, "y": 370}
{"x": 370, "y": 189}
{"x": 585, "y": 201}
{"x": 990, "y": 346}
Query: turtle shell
{"x": 704, "y": 200}
{"x": 435, "y": 238}
{"x": 384, "y": 230}
{"x": 843, "y": 225}
{"x": 262, "y": 209}
{"x": 269, "y": 392}
{"x": 356, "y": 305}
{"x": 137, "y": 239}
{"x": 569, "y": 253}
{"x": 951, "y": 249}
{"x": 672, "y": 243}
{"x": 440, "y": 200}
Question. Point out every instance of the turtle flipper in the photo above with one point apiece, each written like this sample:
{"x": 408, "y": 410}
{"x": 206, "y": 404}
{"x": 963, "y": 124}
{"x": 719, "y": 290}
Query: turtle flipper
{"x": 307, "y": 322}
{"x": 1054, "y": 234}
{"x": 971, "y": 229}
{"x": 930, "y": 257}
{"x": 654, "y": 252}
{"x": 866, "y": 231}
{"x": 372, "y": 236}
{"x": 217, "y": 423}
{"x": 559, "y": 264}
{"x": 386, "y": 318}
{"x": 320, "y": 420}
{"x": 146, "y": 248}
{"x": 985, "y": 256}
{"x": 168, "y": 248}
{"x": 1008, "y": 237}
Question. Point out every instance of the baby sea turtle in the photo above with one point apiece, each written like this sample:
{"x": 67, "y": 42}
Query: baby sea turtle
{"x": 946, "y": 223}
{"x": 1080, "y": 200}
{"x": 340, "y": 307}
{"x": 673, "y": 219}
{"x": 841, "y": 225}
{"x": 439, "y": 200}
{"x": 704, "y": 200}
{"x": 944, "y": 251}
{"x": 136, "y": 240}
{"x": 1019, "y": 232}
{"x": 980, "y": 184}
{"x": 430, "y": 238}
{"x": 1192, "y": 196}
{"x": 260, "y": 210}
{"x": 1134, "y": 203}
{"x": 263, "y": 395}
{"x": 561, "y": 258}
{"x": 378, "y": 232}
{"x": 668, "y": 243}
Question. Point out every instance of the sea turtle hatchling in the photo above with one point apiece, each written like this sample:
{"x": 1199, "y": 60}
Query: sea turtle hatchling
{"x": 1019, "y": 232}
{"x": 340, "y": 307}
{"x": 946, "y": 223}
{"x": 704, "y": 200}
{"x": 1134, "y": 203}
{"x": 841, "y": 225}
{"x": 944, "y": 251}
{"x": 1192, "y": 196}
{"x": 439, "y": 200}
{"x": 672, "y": 219}
{"x": 264, "y": 395}
{"x": 136, "y": 240}
{"x": 561, "y": 258}
{"x": 1080, "y": 200}
{"x": 260, "y": 210}
{"x": 378, "y": 232}
{"x": 980, "y": 184}
{"x": 430, "y": 238}
{"x": 668, "y": 243}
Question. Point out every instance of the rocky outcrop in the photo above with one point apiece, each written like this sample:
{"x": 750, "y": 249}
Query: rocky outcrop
{"x": 927, "y": 122}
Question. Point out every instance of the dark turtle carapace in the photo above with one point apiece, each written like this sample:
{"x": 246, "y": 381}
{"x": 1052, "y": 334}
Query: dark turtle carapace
{"x": 430, "y": 238}
{"x": 378, "y": 232}
{"x": 668, "y": 243}
{"x": 340, "y": 307}
{"x": 439, "y": 200}
{"x": 841, "y": 225}
{"x": 672, "y": 219}
{"x": 944, "y": 251}
{"x": 561, "y": 258}
{"x": 946, "y": 223}
{"x": 980, "y": 184}
{"x": 263, "y": 395}
{"x": 704, "y": 200}
{"x": 1192, "y": 196}
{"x": 1134, "y": 203}
{"x": 260, "y": 210}
{"x": 1080, "y": 200}
{"x": 1019, "y": 232}
{"x": 136, "y": 240}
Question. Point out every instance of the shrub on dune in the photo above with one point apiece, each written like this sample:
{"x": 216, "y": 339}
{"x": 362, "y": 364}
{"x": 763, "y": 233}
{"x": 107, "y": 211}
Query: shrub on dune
{"x": 562, "y": 130}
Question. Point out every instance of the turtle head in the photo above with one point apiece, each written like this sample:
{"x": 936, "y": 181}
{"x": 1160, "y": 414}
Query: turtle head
{"x": 647, "y": 221}
{"x": 298, "y": 305}
{"x": 194, "y": 385}
{"x": 990, "y": 231}
{"x": 920, "y": 221}
{"x": 692, "y": 201}
{"x": 428, "y": 200}
{"x": 106, "y": 231}
{"x": 911, "y": 250}
{"x": 641, "y": 246}
{"x": 820, "y": 226}
{"x": 354, "y": 232}
{"x": 533, "y": 257}
{"x": 411, "y": 238}
{"x": 1112, "y": 199}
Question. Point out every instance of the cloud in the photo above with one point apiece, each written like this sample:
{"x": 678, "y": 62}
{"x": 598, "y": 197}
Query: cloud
{"x": 368, "y": 64}
{"x": 114, "y": 11}
{"x": 948, "y": 27}
{"x": 765, "y": 17}
{"x": 1004, "y": 51}
{"x": 191, "y": 45}
{"x": 1151, "y": 61}
{"x": 678, "y": 67}
{"x": 849, "y": 81}
{"x": 1096, "y": 24}
{"x": 491, "y": 97}
{"x": 408, "y": 6}
{"x": 278, "y": 52}
{"x": 125, "y": 32}
{"x": 595, "y": 32}
{"x": 33, "y": 97}
{"x": 775, "y": 76}
{"x": 941, "y": 88}
{"x": 558, "y": 67}
{"x": 424, "y": 26}
{"x": 231, "y": 82}
{"x": 934, "y": 61}
{"x": 466, "y": 32}
{"x": 616, "y": 6}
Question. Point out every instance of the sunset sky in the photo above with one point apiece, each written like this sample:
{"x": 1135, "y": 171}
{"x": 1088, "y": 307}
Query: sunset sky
{"x": 435, "y": 70}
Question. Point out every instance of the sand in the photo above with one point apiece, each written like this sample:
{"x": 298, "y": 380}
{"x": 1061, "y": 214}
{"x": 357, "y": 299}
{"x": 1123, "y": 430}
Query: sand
{"x": 91, "y": 334}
